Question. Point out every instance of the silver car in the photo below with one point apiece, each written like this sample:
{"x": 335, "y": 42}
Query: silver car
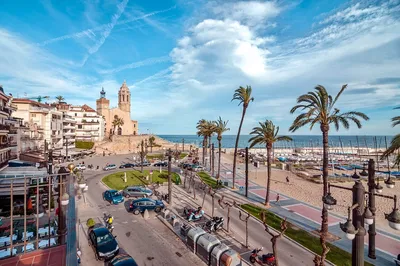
{"x": 137, "y": 191}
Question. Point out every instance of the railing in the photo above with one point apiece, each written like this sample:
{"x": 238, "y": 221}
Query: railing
{"x": 4, "y": 127}
{"x": 42, "y": 109}
{"x": 4, "y": 145}
{"x": 6, "y": 109}
{"x": 5, "y": 163}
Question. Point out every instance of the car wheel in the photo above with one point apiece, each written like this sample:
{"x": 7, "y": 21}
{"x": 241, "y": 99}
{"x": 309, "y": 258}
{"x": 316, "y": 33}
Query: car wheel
{"x": 136, "y": 212}
{"x": 157, "y": 209}
{"x": 127, "y": 196}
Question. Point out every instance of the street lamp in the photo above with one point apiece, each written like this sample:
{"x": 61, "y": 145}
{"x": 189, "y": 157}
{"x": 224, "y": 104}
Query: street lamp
{"x": 354, "y": 228}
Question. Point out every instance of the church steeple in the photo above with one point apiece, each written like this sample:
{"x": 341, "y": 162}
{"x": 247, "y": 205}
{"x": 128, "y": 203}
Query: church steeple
{"x": 102, "y": 93}
{"x": 124, "y": 98}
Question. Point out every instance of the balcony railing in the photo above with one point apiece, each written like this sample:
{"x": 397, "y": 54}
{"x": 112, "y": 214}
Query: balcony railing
{"x": 6, "y": 109}
{"x": 4, "y": 127}
{"x": 40, "y": 109}
{"x": 4, "y": 145}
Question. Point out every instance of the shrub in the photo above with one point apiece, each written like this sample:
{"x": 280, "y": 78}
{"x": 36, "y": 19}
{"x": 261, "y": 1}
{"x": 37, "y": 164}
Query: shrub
{"x": 87, "y": 145}
{"x": 163, "y": 175}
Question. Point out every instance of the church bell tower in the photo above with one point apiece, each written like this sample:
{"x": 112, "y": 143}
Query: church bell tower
{"x": 124, "y": 98}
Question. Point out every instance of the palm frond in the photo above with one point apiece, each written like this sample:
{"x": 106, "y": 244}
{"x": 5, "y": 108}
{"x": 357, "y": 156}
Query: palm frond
{"x": 338, "y": 95}
{"x": 396, "y": 121}
{"x": 394, "y": 145}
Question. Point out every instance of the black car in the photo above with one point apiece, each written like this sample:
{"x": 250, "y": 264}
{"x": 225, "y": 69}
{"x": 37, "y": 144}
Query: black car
{"x": 163, "y": 164}
{"x": 127, "y": 165}
{"x": 122, "y": 259}
{"x": 103, "y": 243}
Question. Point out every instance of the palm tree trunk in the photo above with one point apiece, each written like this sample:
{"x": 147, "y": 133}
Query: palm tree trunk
{"x": 324, "y": 224}
{"x": 219, "y": 158}
{"x": 268, "y": 173}
{"x": 204, "y": 144}
{"x": 205, "y": 148}
{"x": 236, "y": 147}
{"x": 209, "y": 144}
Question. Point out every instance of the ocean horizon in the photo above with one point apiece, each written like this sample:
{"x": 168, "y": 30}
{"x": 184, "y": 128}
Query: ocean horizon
{"x": 228, "y": 141}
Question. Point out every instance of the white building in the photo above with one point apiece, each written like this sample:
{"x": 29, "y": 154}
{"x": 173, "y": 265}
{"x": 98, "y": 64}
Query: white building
{"x": 89, "y": 125}
{"x": 5, "y": 112}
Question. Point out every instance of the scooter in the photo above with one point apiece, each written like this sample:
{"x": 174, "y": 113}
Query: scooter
{"x": 265, "y": 259}
{"x": 214, "y": 224}
{"x": 109, "y": 226}
{"x": 188, "y": 212}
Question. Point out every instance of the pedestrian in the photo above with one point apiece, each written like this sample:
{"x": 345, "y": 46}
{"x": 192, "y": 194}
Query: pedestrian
{"x": 287, "y": 180}
{"x": 277, "y": 198}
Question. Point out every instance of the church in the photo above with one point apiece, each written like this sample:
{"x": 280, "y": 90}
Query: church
{"x": 129, "y": 127}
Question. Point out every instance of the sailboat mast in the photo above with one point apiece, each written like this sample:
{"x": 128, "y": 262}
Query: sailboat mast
{"x": 387, "y": 158}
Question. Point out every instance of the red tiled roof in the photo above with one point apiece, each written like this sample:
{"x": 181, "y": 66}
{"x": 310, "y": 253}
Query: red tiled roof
{"x": 88, "y": 108}
{"x": 21, "y": 100}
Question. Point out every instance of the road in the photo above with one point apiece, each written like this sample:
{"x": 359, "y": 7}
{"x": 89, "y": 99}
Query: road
{"x": 149, "y": 241}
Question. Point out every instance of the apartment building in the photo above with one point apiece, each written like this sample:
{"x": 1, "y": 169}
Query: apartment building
{"x": 69, "y": 125}
{"x": 5, "y": 112}
{"x": 89, "y": 125}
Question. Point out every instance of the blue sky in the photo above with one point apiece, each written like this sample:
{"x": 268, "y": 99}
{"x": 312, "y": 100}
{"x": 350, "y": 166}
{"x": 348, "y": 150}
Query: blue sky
{"x": 182, "y": 60}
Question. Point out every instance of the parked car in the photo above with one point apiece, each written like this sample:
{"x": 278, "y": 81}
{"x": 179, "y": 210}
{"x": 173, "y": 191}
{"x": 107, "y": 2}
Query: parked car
{"x": 113, "y": 196}
{"x": 137, "y": 191}
{"x": 127, "y": 165}
{"x": 144, "y": 164}
{"x": 110, "y": 167}
{"x": 122, "y": 259}
{"x": 163, "y": 164}
{"x": 140, "y": 205}
{"x": 196, "y": 167}
{"x": 80, "y": 167}
{"x": 186, "y": 165}
{"x": 103, "y": 242}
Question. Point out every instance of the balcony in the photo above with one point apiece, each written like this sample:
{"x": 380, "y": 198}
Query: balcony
{"x": 39, "y": 109}
{"x": 69, "y": 127}
{"x": 4, "y": 145}
{"x": 69, "y": 133}
{"x": 85, "y": 129}
{"x": 5, "y": 110}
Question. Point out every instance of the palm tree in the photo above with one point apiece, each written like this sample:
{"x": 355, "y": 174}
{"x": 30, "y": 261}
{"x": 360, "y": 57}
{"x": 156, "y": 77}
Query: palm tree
{"x": 60, "y": 99}
{"x": 117, "y": 122}
{"x": 243, "y": 95}
{"x": 220, "y": 127}
{"x": 266, "y": 133}
{"x": 202, "y": 132}
{"x": 152, "y": 141}
{"x": 395, "y": 143}
{"x": 318, "y": 107}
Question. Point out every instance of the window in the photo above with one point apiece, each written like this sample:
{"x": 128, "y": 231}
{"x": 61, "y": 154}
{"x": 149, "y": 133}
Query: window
{"x": 33, "y": 115}
{"x": 134, "y": 125}
{"x": 79, "y": 126}
{"x": 123, "y": 98}
{"x": 76, "y": 114}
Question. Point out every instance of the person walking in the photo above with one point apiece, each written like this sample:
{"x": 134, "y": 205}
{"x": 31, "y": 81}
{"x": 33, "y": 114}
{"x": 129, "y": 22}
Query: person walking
{"x": 287, "y": 180}
{"x": 277, "y": 198}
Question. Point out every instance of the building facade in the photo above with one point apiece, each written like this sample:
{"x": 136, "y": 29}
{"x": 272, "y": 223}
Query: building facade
{"x": 5, "y": 113}
{"x": 89, "y": 125}
{"x": 129, "y": 127}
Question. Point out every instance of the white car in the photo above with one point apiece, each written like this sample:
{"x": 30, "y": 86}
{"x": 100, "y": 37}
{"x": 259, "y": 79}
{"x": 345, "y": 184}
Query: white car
{"x": 80, "y": 167}
{"x": 110, "y": 167}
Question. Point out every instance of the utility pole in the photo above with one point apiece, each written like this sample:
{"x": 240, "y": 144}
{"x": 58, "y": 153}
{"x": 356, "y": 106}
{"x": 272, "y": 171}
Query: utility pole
{"x": 358, "y": 223}
{"x": 169, "y": 178}
{"x": 246, "y": 172}
{"x": 213, "y": 159}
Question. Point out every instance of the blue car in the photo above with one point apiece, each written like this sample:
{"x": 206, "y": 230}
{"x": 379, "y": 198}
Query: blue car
{"x": 122, "y": 259}
{"x": 140, "y": 205}
{"x": 113, "y": 196}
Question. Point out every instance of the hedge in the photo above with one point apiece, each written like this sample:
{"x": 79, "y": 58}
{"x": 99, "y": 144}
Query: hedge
{"x": 87, "y": 145}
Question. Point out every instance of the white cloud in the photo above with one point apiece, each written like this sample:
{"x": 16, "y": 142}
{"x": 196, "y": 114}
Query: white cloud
{"x": 251, "y": 13}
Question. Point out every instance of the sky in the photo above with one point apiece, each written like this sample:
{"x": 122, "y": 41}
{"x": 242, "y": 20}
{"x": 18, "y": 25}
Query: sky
{"x": 183, "y": 59}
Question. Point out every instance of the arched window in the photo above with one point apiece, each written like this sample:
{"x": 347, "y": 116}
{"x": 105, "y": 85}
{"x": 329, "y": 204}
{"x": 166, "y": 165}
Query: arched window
{"x": 127, "y": 98}
{"x": 123, "y": 97}
{"x": 119, "y": 131}
{"x": 134, "y": 133}
{"x": 111, "y": 131}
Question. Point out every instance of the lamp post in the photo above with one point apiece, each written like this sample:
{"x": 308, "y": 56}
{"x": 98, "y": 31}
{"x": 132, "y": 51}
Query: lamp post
{"x": 169, "y": 178}
{"x": 212, "y": 159}
{"x": 354, "y": 228}
{"x": 63, "y": 200}
{"x": 246, "y": 172}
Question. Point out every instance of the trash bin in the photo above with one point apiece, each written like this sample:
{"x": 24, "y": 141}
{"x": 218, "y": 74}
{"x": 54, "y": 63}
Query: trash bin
{"x": 230, "y": 258}
{"x": 205, "y": 245}
{"x": 185, "y": 229}
{"x": 192, "y": 235}
{"x": 217, "y": 252}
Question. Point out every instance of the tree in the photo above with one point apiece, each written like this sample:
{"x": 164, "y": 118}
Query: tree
{"x": 266, "y": 133}
{"x": 201, "y": 132}
{"x": 220, "y": 127}
{"x": 243, "y": 95}
{"x": 395, "y": 143}
{"x": 60, "y": 99}
{"x": 117, "y": 122}
{"x": 274, "y": 236}
{"x": 152, "y": 142}
{"x": 319, "y": 108}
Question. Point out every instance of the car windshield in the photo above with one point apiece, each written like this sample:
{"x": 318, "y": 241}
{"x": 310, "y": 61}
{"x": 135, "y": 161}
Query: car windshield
{"x": 115, "y": 193}
{"x": 104, "y": 239}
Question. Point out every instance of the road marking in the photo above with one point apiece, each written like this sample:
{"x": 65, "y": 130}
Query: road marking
{"x": 125, "y": 222}
{"x": 134, "y": 221}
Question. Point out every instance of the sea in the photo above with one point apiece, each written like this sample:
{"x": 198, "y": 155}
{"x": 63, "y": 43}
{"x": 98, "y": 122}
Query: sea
{"x": 228, "y": 141}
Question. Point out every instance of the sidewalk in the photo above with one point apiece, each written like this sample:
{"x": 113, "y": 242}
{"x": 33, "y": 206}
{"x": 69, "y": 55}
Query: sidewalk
{"x": 308, "y": 218}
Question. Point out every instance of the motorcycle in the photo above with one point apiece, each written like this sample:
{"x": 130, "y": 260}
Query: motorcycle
{"x": 188, "y": 212}
{"x": 265, "y": 259}
{"x": 109, "y": 225}
{"x": 214, "y": 224}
